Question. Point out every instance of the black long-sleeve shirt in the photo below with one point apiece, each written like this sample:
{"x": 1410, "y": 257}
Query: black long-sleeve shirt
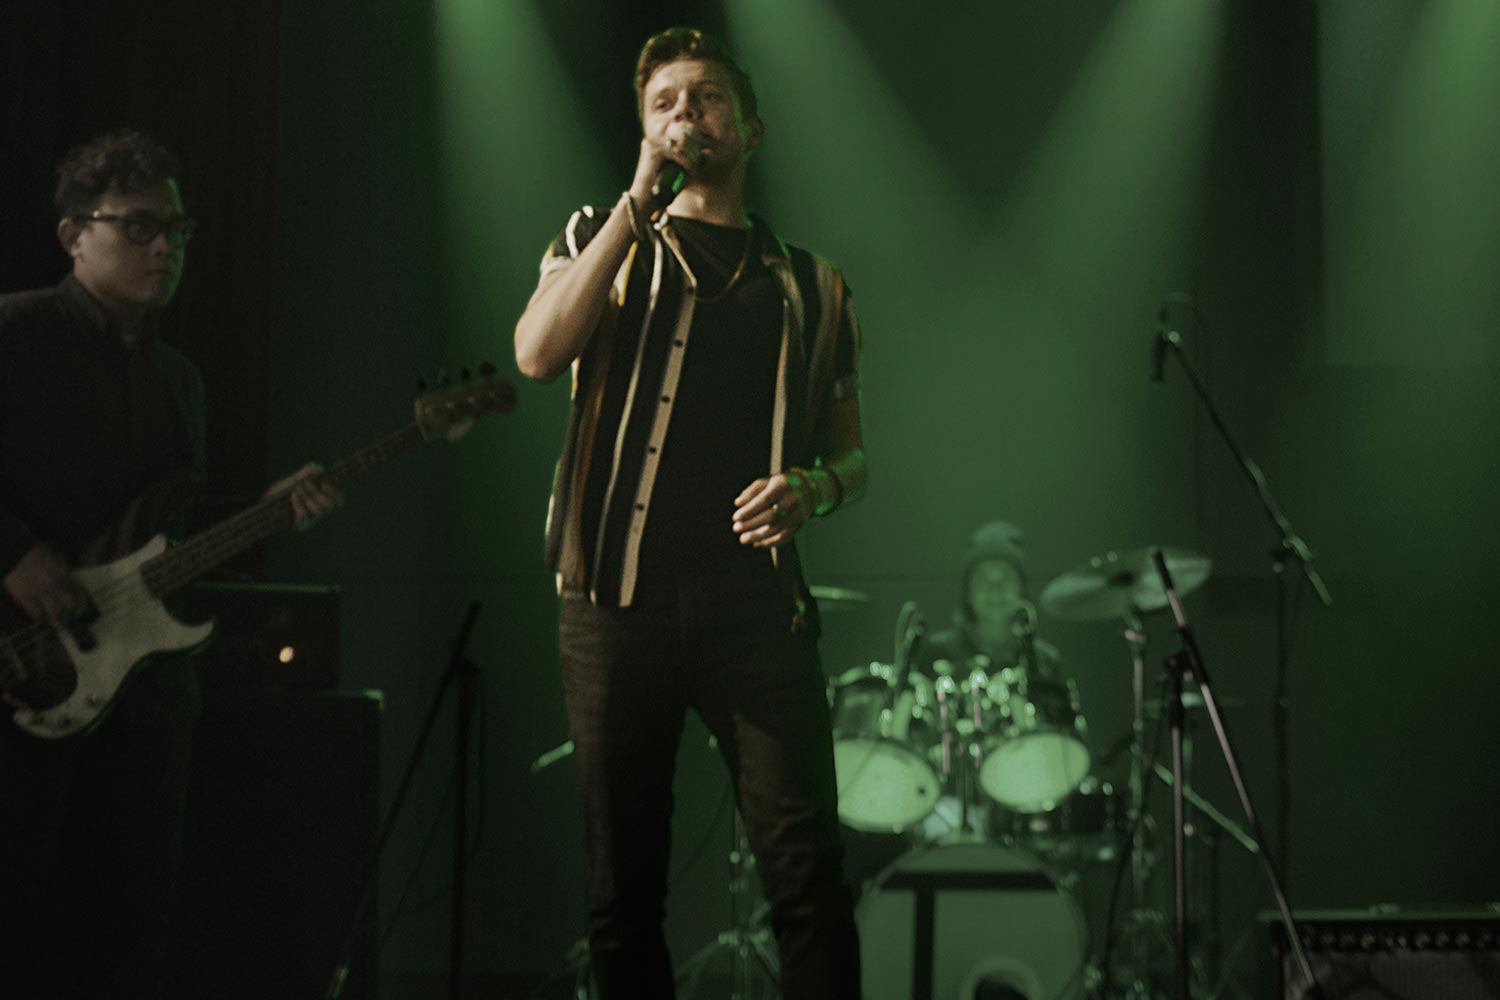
{"x": 88, "y": 422}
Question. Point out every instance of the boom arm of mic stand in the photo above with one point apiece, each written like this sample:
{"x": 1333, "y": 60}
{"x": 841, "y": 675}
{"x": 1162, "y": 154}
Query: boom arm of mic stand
{"x": 1291, "y": 543}
{"x": 1194, "y": 658}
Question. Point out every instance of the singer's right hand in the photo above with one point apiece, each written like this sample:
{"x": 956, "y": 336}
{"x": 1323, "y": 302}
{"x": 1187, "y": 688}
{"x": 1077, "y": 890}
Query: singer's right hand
{"x": 680, "y": 145}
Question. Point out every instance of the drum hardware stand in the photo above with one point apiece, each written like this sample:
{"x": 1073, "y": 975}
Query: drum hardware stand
{"x": 1135, "y": 635}
{"x": 1188, "y": 661}
{"x": 462, "y": 672}
{"x": 752, "y": 954}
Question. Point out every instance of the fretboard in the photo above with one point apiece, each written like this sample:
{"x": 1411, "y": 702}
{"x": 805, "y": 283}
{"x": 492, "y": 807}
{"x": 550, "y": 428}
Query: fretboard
{"x": 184, "y": 563}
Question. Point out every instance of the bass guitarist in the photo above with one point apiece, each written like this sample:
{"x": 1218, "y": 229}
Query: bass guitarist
{"x": 95, "y": 410}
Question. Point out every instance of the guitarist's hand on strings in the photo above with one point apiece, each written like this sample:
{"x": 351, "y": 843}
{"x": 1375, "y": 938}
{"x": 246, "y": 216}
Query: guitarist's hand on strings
{"x": 40, "y": 585}
{"x": 312, "y": 494}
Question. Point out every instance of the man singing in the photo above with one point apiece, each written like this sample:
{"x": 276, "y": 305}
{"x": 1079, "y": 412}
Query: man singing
{"x": 715, "y": 412}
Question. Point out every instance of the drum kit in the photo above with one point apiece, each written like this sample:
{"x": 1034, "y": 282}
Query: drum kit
{"x": 985, "y": 775}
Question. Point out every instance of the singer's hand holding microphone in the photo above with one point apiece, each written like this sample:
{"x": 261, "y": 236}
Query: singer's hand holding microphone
{"x": 665, "y": 165}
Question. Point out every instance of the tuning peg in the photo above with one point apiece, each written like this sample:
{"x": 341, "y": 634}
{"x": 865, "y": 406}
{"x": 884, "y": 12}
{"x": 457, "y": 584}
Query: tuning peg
{"x": 421, "y": 385}
{"x": 487, "y": 369}
{"x": 463, "y": 374}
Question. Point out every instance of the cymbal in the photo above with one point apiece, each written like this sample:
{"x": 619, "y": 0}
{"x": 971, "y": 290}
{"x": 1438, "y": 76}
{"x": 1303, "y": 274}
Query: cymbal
{"x": 838, "y": 598}
{"x": 1118, "y": 584}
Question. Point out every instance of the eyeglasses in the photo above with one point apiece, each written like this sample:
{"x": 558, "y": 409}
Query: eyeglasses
{"x": 144, "y": 227}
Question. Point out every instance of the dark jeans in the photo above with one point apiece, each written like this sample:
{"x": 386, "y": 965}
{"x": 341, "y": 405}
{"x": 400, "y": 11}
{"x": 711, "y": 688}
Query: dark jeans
{"x": 90, "y": 839}
{"x": 726, "y": 649}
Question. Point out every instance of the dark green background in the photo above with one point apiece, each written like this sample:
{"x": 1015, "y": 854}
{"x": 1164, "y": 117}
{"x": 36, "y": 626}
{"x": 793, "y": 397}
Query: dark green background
{"x": 1011, "y": 188}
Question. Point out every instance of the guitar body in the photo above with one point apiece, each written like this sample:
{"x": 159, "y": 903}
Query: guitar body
{"x": 132, "y": 626}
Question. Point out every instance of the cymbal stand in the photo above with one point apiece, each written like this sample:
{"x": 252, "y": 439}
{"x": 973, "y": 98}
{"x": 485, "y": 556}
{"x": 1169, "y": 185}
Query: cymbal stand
{"x": 1140, "y": 952}
{"x": 1189, "y": 661}
{"x": 755, "y": 966}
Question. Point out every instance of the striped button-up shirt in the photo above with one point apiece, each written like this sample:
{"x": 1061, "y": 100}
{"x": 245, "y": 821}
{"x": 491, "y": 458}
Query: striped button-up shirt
{"x": 624, "y": 386}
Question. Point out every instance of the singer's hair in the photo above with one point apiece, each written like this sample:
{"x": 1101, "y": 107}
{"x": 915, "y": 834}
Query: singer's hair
{"x": 690, "y": 43}
{"x": 126, "y": 160}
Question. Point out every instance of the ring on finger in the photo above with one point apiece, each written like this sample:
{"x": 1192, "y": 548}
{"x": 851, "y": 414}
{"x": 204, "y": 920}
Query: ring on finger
{"x": 775, "y": 511}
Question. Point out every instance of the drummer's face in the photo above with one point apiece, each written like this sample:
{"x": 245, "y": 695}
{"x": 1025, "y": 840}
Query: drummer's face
{"x": 995, "y": 589}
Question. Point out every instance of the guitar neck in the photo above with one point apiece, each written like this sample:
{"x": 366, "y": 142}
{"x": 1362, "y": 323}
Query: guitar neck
{"x": 184, "y": 563}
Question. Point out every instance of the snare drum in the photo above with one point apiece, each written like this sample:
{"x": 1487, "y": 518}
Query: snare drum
{"x": 1088, "y": 827}
{"x": 1035, "y": 753}
{"x": 884, "y": 742}
{"x": 978, "y": 919}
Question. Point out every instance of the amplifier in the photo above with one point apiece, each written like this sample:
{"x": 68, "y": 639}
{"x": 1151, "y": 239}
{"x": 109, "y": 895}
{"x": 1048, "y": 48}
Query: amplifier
{"x": 278, "y": 834}
{"x": 1391, "y": 952}
{"x": 268, "y": 636}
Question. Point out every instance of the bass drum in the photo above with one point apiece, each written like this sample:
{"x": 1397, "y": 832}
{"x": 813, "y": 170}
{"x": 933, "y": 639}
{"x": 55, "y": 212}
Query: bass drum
{"x": 985, "y": 920}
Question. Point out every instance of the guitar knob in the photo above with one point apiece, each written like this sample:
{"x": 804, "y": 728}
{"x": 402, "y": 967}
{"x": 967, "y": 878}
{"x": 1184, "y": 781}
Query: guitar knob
{"x": 463, "y": 374}
{"x": 487, "y": 369}
{"x": 421, "y": 385}
{"x": 443, "y": 376}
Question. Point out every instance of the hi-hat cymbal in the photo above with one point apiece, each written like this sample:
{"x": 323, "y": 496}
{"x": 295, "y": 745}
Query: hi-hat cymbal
{"x": 1118, "y": 584}
{"x": 837, "y": 598}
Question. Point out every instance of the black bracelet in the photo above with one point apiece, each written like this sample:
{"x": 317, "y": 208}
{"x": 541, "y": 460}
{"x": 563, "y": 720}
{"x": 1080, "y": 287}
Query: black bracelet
{"x": 832, "y": 504}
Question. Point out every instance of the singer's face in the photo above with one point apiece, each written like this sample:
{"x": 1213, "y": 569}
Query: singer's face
{"x": 995, "y": 591}
{"x": 699, "y": 94}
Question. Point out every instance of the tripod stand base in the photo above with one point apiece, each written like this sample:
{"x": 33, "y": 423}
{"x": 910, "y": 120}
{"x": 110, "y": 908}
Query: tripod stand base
{"x": 747, "y": 954}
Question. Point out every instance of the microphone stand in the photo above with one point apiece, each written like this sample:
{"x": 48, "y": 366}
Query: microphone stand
{"x": 1290, "y": 548}
{"x": 465, "y": 674}
{"x": 1189, "y": 660}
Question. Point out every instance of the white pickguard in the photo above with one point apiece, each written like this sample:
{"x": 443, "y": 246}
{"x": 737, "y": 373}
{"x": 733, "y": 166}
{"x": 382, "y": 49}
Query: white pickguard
{"x": 132, "y": 625}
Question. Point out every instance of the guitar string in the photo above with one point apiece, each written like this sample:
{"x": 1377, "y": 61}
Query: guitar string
{"x": 222, "y": 540}
{"x": 209, "y": 548}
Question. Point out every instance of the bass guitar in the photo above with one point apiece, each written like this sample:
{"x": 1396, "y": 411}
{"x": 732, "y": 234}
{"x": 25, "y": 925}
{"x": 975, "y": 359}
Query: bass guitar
{"x": 63, "y": 677}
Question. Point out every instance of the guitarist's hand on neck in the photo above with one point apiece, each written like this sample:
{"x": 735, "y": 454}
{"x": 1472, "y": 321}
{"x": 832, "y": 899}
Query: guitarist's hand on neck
{"x": 312, "y": 494}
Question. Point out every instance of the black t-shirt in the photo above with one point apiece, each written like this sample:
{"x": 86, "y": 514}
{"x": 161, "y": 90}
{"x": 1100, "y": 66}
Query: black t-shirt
{"x": 720, "y": 440}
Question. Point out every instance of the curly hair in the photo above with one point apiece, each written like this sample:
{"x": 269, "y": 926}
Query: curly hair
{"x": 127, "y": 160}
{"x": 690, "y": 43}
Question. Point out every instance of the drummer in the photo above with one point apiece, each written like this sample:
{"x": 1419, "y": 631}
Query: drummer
{"x": 993, "y": 625}
{"x": 993, "y": 629}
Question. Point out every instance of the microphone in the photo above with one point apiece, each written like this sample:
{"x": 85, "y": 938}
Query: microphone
{"x": 911, "y": 626}
{"x": 673, "y": 175}
{"x": 1165, "y": 337}
{"x": 669, "y": 182}
{"x": 1023, "y": 620}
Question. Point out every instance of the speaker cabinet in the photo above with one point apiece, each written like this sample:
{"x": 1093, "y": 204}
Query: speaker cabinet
{"x": 1378, "y": 955}
{"x": 267, "y": 636}
{"x": 281, "y": 820}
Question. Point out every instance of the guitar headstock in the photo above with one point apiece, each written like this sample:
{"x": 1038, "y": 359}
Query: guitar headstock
{"x": 448, "y": 412}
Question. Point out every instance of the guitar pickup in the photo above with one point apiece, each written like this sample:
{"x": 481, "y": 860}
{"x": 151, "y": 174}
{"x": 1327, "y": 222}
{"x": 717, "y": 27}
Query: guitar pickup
{"x": 77, "y": 624}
